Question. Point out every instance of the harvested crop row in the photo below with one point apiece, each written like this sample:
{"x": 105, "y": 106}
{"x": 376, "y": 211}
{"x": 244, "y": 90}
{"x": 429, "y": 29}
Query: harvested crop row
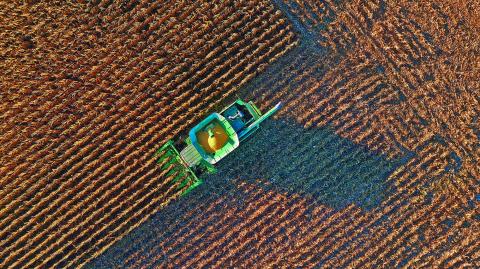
{"x": 194, "y": 218}
{"x": 193, "y": 73}
{"x": 464, "y": 228}
{"x": 346, "y": 96}
{"x": 318, "y": 92}
{"x": 413, "y": 129}
{"x": 466, "y": 252}
{"x": 223, "y": 237}
{"x": 205, "y": 226}
{"x": 456, "y": 207}
{"x": 398, "y": 212}
{"x": 424, "y": 215}
{"x": 397, "y": 208}
{"x": 274, "y": 228}
{"x": 413, "y": 63}
{"x": 319, "y": 19}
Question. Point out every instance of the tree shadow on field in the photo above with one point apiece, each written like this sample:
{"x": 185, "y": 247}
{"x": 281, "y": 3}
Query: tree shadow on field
{"x": 316, "y": 162}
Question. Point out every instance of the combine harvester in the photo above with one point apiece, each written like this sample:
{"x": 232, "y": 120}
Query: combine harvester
{"x": 210, "y": 141}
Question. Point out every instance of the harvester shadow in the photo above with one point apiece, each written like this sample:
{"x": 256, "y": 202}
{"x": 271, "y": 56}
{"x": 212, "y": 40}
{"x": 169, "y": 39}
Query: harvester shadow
{"x": 315, "y": 162}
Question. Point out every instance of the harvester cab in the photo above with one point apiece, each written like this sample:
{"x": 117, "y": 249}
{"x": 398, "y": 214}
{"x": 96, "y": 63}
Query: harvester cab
{"x": 210, "y": 141}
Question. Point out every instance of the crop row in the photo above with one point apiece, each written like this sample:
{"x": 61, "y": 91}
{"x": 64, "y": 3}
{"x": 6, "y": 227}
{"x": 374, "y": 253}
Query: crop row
{"x": 244, "y": 231}
{"x": 288, "y": 217}
{"x": 398, "y": 208}
{"x": 40, "y": 238}
{"x": 205, "y": 223}
{"x": 79, "y": 67}
{"x": 129, "y": 67}
{"x": 211, "y": 226}
{"x": 151, "y": 200}
{"x": 135, "y": 66}
{"x": 253, "y": 215}
{"x": 326, "y": 234}
{"x": 422, "y": 215}
{"x": 343, "y": 98}
{"x": 436, "y": 161}
{"x": 207, "y": 206}
{"x": 363, "y": 242}
{"x": 320, "y": 19}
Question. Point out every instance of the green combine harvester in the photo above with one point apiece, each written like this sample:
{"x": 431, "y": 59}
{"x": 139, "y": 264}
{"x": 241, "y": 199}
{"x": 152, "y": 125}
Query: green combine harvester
{"x": 211, "y": 140}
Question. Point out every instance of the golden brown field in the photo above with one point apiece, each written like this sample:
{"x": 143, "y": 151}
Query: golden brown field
{"x": 373, "y": 162}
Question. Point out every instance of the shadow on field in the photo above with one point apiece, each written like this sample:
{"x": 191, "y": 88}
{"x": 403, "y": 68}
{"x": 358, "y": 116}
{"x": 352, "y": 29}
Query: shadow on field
{"x": 281, "y": 155}
{"x": 317, "y": 162}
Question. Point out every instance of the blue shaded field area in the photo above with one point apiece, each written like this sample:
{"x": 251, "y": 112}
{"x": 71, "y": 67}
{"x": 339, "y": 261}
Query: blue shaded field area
{"x": 167, "y": 226}
{"x": 281, "y": 156}
{"x": 316, "y": 162}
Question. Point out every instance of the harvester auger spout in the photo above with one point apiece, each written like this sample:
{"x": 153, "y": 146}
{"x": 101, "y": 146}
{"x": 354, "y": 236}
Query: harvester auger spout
{"x": 210, "y": 141}
{"x": 256, "y": 124}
